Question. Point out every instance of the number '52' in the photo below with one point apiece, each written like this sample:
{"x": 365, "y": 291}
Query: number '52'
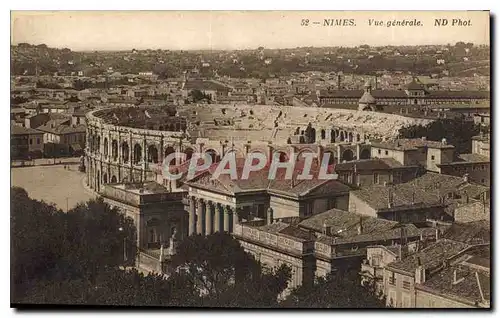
{"x": 305, "y": 22}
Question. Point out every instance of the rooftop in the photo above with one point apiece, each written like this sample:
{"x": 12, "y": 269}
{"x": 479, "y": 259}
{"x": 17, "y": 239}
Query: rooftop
{"x": 430, "y": 257}
{"x": 20, "y": 130}
{"x": 411, "y": 144}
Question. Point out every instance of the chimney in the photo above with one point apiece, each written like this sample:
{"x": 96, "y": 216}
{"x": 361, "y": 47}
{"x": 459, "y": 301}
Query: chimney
{"x": 269, "y": 215}
{"x": 466, "y": 177}
{"x": 419, "y": 273}
{"x": 455, "y": 280}
{"x": 480, "y": 287}
{"x": 360, "y": 226}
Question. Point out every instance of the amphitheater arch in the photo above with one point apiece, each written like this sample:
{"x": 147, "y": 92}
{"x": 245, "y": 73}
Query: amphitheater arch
{"x": 106, "y": 147}
{"x": 347, "y": 155}
{"x": 125, "y": 151}
{"x": 332, "y": 136}
{"x": 358, "y": 137}
{"x": 365, "y": 154}
{"x": 114, "y": 149}
{"x": 304, "y": 150}
{"x": 98, "y": 144}
{"x": 281, "y": 156}
{"x": 331, "y": 158}
{"x": 342, "y": 138}
{"x": 213, "y": 154}
{"x": 170, "y": 150}
{"x": 323, "y": 134}
{"x": 98, "y": 181}
{"x": 350, "y": 137}
{"x": 189, "y": 153}
{"x": 137, "y": 153}
{"x": 113, "y": 179}
{"x": 105, "y": 178}
{"x": 152, "y": 154}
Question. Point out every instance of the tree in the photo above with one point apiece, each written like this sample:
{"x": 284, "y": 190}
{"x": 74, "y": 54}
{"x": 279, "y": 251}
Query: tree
{"x": 340, "y": 289}
{"x": 49, "y": 245}
{"x": 457, "y": 132}
{"x": 197, "y": 95}
{"x": 219, "y": 273}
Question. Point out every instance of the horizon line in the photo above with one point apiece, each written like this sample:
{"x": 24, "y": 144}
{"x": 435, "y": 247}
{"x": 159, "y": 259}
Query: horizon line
{"x": 60, "y": 47}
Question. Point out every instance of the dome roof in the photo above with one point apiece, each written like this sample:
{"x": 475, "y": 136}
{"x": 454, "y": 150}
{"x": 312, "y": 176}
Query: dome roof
{"x": 367, "y": 98}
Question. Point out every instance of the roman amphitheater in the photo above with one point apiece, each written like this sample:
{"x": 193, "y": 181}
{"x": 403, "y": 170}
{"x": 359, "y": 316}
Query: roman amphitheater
{"x": 129, "y": 144}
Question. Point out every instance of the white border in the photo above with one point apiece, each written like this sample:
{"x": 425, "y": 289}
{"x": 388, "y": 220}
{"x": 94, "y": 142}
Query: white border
{"x": 206, "y": 5}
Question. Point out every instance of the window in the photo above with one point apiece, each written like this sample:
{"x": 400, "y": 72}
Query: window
{"x": 38, "y": 141}
{"x": 432, "y": 157}
{"x": 376, "y": 260}
{"x": 31, "y": 141}
{"x": 392, "y": 279}
{"x": 386, "y": 152}
{"x": 483, "y": 181}
{"x": 375, "y": 178}
{"x": 379, "y": 151}
{"x": 406, "y": 284}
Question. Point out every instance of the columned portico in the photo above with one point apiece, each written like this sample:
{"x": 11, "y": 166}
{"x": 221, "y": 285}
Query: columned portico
{"x": 192, "y": 215}
{"x": 200, "y": 217}
{"x": 207, "y": 217}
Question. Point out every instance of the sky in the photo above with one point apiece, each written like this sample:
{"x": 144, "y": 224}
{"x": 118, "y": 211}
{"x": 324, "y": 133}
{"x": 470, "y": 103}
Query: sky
{"x": 188, "y": 30}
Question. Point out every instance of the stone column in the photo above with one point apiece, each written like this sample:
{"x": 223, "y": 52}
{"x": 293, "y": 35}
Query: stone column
{"x": 217, "y": 219}
{"x": 358, "y": 151}
{"x": 110, "y": 152}
{"x": 119, "y": 150}
{"x": 144, "y": 158}
{"x": 209, "y": 212}
{"x": 236, "y": 218}
{"x": 130, "y": 152}
{"x": 192, "y": 215}
{"x": 161, "y": 154}
{"x": 227, "y": 220}
{"x": 339, "y": 154}
{"x": 200, "y": 217}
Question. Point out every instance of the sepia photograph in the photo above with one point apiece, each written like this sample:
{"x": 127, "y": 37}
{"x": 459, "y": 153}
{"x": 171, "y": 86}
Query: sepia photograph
{"x": 250, "y": 159}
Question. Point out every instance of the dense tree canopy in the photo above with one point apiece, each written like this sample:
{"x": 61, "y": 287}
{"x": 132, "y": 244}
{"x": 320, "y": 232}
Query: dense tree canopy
{"x": 77, "y": 257}
{"x": 456, "y": 131}
{"x": 341, "y": 289}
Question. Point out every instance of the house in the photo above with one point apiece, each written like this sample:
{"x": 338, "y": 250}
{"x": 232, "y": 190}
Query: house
{"x": 367, "y": 172}
{"x": 425, "y": 153}
{"x": 403, "y": 202}
{"x": 426, "y": 277}
{"x": 474, "y": 166}
{"x": 25, "y": 142}
{"x": 61, "y": 139}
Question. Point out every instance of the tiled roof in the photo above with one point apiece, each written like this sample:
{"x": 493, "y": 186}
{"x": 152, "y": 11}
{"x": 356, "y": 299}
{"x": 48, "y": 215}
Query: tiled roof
{"x": 459, "y": 94}
{"x": 369, "y": 164}
{"x": 430, "y": 257}
{"x": 19, "y": 130}
{"x": 408, "y": 144}
{"x": 344, "y": 227}
{"x": 470, "y": 232}
{"x": 63, "y": 129}
{"x": 443, "y": 184}
{"x": 403, "y": 195}
{"x": 259, "y": 181}
{"x": 473, "y": 157}
{"x": 205, "y": 85}
{"x": 467, "y": 288}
